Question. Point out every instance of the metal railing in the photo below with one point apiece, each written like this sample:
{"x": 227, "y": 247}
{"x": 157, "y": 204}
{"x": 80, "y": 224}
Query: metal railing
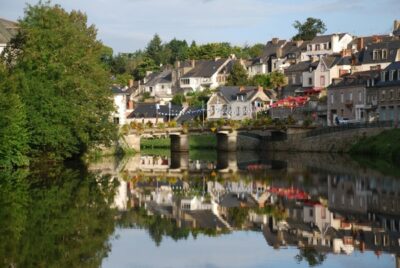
{"x": 350, "y": 126}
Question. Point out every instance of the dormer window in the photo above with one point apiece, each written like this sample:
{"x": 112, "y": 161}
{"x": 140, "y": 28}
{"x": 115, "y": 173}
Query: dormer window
{"x": 383, "y": 76}
{"x": 384, "y": 54}
{"x": 318, "y": 47}
{"x": 391, "y": 75}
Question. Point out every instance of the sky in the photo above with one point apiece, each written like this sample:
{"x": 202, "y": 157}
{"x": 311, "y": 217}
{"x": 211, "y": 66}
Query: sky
{"x": 128, "y": 25}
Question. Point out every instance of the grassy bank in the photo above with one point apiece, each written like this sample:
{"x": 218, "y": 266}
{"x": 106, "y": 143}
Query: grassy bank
{"x": 383, "y": 146}
{"x": 195, "y": 142}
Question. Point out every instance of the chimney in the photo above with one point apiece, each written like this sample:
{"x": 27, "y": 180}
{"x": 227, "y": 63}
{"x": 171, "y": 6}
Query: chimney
{"x": 130, "y": 105}
{"x": 130, "y": 83}
{"x": 345, "y": 53}
{"x": 298, "y": 43}
{"x": 279, "y": 52}
{"x": 260, "y": 88}
{"x": 241, "y": 89}
{"x": 193, "y": 63}
{"x": 275, "y": 41}
{"x": 396, "y": 25}
{"x": 360, "y": 43}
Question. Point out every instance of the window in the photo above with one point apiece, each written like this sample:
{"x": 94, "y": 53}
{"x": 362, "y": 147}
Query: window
{"x": 311, "y": 212}
{"x": 384, "y": 54}
{"x": 342, "y": 97}
{"x": 359, "y": 96}
{"x": 332, "y": 99}
{"x": 325, "y": 46}
{"x": 376, "y": 55}
{"x": 323, "y": 213}
{"x": 225, "y": 110}
{"x": 116, "y": 120}
{"x": 383, "y": 76}
{"x": 185, "y": 81}
{"x": 293, "y": 79}
{"x": 237, "y": 110}
{"x": 318, "y": 47}
{"x": 151, "y": 89}
{"x": 245, "y": 110}
{"x": 391, "y": 75}
{"x": 383, "y": 95}
{"x": 310, "y": 81}
{"x": 322, "y": 81}
{"x": 351, "y": 96}
{"x": 162, "y": 87}
{"x": 391, "y": 95}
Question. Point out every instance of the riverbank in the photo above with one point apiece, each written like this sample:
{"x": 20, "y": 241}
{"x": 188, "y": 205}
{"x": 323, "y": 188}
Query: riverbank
{"x": 195, "y": 142}
{"x": 385, "y": 145}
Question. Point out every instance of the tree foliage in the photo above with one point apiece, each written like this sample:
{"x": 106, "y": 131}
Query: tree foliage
{"x": 56, "y": 66}
{"x": 238, "y": 76}
{"x": 309, "y": 29}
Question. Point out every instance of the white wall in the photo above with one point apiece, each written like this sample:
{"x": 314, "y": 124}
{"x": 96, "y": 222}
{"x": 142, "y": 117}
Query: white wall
{"x": 120, "y": 104}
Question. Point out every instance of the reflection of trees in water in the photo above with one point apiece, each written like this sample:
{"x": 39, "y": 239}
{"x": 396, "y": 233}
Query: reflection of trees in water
{"x": 311, "y": 256}
{"x": 159, "y": 227}
{"x": 61, "y": 219}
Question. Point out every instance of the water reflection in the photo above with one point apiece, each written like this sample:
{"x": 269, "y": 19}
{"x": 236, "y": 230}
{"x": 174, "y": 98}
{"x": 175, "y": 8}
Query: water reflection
{"x": 56, "y": 217}
{"x": 321, "y": 204}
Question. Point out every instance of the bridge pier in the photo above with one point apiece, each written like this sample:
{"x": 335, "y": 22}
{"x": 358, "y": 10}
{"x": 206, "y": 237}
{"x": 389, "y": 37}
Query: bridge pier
{"x": 227, "y": 141}
{"x": 227, "y": 162}
{"x": 179, "y": 142}
{"x": 180, "y": 161}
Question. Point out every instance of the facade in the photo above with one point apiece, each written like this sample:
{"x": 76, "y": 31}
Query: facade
{"x": 323, "y": 45}
{"x": 353, "y": 97}
{"x": 377, "y": 56}
{"x": 237, "y": 103}
{"x": 159, "y": 85}
{"x": 8, "y": 29}
{"x": 121, "y": 99}
{"x": 388, "y": 89}
{"x": 205, "y": 74}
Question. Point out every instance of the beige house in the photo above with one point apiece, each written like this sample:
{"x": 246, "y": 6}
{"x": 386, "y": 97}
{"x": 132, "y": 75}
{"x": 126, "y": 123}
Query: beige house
{"x": 238, "y": 103}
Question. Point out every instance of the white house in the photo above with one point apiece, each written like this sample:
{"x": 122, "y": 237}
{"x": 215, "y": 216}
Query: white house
{"x": 159, "y": 85}
{"x": 323, "y": 45}
{"x": 8, "y": 29}
{"x": 206, "y": 74}
{"x": 237, "y": 103}
{"x": 120, "y": 102}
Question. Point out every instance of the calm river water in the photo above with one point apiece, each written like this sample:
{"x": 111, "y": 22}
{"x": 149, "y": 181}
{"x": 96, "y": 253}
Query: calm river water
{"x": 203, "y": 209}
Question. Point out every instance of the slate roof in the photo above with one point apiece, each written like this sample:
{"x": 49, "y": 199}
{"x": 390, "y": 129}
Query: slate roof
{"x": 206, "y": 219}
{"x": 163, "y": 77}
{"x": 395, "y": 66}
{"x": 270, "y": 50}
{"x": 359, "y": 78}
{"x": 205, "y": 68}
{"x": 118, "y": 90}
{"x": 299, "y": 67}
{"x": 231, "y": 200}
{"x": 190, "y": 114}
{"x": 333, "y": 60}
{"x": 368, "y": 40}
{"x": 325, "y": 38}
{"x": 8, "y": 29}
{"x": 366, "y": 55}
{"x": 148, "y": 110}
{"x": 231, "y": 92}
{"x": 292, "y": 48}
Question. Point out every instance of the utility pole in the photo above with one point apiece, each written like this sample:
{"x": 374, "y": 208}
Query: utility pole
{"x": 169, "y": 112}
{"x": 202, "y": 110}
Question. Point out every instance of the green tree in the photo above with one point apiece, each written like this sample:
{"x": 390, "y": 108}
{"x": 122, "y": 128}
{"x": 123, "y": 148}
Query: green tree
{"x": 179, "y": 50}
{"x": 263, "y": 80}
{"x": 277, "y": 80}
{"x": 154, "y": 50}
{"x": 146, "y": 65}
{"x": 55, "y": 65}
{"x": 309, "y": 29}
{"x": 238, "y": 75}
{"x": 178, "y": 99}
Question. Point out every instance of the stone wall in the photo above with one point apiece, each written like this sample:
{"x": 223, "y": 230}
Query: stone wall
{"x": 335, "y": 142}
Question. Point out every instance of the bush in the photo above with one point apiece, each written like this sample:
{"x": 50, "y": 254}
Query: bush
{"x": 172, "y": 124}
{"x": 160, "y": 125}
{"x": 149, "y": 124}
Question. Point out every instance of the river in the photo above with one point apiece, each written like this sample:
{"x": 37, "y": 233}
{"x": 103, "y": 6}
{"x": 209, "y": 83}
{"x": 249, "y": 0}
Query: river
{"x": 203, "y": 209}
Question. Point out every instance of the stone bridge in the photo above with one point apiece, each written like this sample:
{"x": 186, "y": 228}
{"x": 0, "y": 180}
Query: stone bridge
{"x": 228, "y": 139}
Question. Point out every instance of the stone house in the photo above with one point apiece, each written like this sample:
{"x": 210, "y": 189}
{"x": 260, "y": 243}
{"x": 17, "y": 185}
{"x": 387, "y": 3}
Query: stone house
{"x": 121, "y": 100}
{"x": 277, "y": 56}
{"x": 237, "y": 103}
{"x": 353, "y": 97}
{"x": 389, "y": 93}
{"x": 206, "y": 74}
{"x": 323, "y": 45}
{"x": 377, "y": 56}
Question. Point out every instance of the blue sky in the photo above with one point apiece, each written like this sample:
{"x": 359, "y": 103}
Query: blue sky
{"x": 127, "y": 25}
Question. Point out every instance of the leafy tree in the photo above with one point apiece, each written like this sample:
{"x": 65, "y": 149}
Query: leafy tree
{"x": 238, "y": 76}
{"x": 179, "y": 50}
{"x": 261, "y": 80}
{"x": 178, "y": 99}
{"x": 146, "y": 65}
{"x": 122, "y": 79}
{"x": 154, "y": 50}
{"x": 13, "y": 132}
{"x": 311, "y": 256}
{"x": 277, "y": 80}
{"x": 55, "y": 65}
{"x": 309, "y": 29}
